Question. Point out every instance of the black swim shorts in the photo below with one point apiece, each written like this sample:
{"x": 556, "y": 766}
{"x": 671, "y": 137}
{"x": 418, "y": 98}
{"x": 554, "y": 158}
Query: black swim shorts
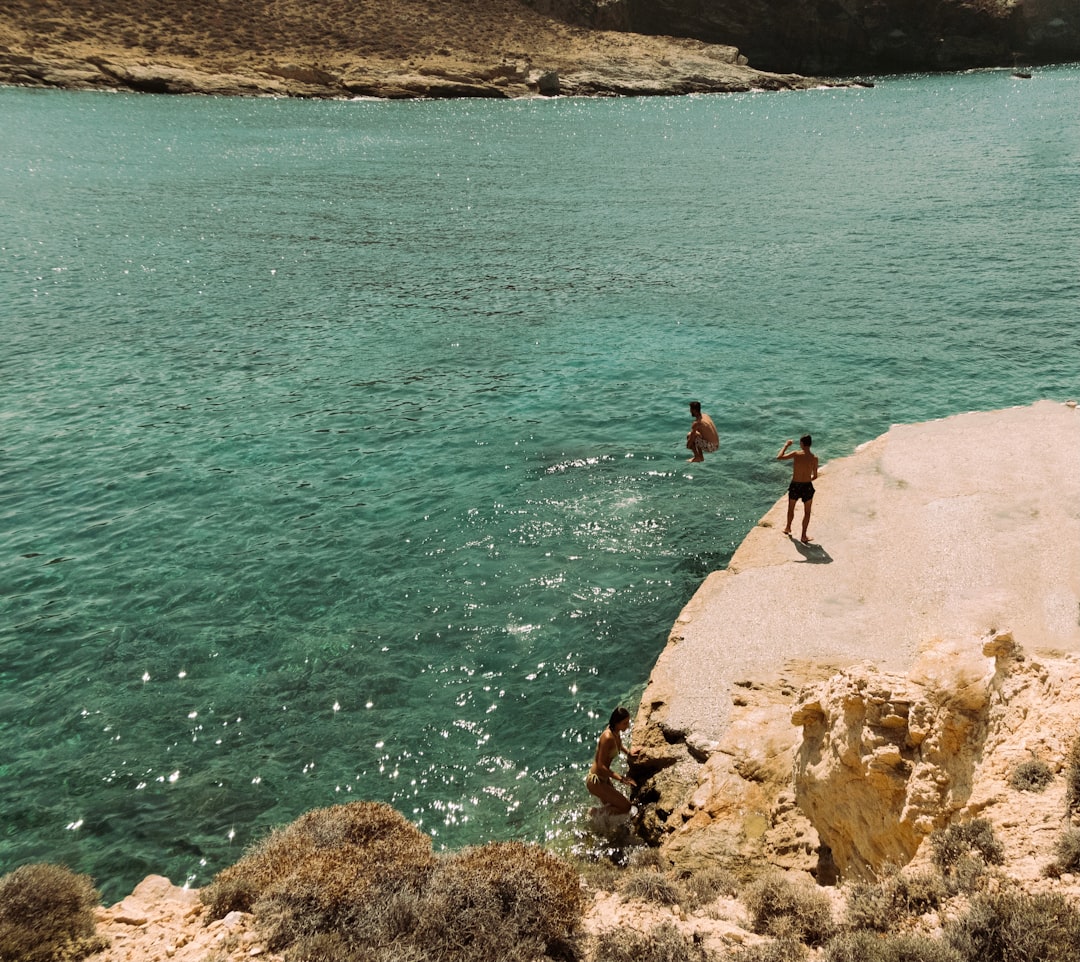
{"x": 800, "y": 489}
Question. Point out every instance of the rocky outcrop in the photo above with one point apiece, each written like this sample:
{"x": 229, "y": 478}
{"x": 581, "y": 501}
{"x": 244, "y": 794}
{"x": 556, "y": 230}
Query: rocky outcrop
{"x": 850, "y": 776}
{"x": 886, "y": 759}
{"x": 385, "y": 48}
{"x": 159, "y": 920}
{"x": 856, "y": 36}
{"x": 919, "y": 537}
{"x": 707, "y": 803}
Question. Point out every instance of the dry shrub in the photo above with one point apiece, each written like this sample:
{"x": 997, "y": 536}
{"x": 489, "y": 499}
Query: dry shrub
{"x": 779, "y": 950}
{"x": 333, "y": 947}
{"x": 647, "y": 857}
{"x": 786, "y": 909}
{"x": 1067, "y": 849}
{"x": 359, "y": 883}
{"x": 1013, "y": 926}
{"x": 324, "y": 872}
{"x": 707, "y": 885}
{"x": 961, "y": 839}
{"x": 47, "y": 915}
{"x": 505, "y": 900}
{"x": 664, "y": 943}
{"x": 650, "y": 886}
{"x": 370, "y": 901}
{"x": 1031, "y": 776}
{"x": 1072, "y": 777}
{"x": 599, "y": 875}
{"x": 881, "y": 905}
{"x": 867, "y": 946}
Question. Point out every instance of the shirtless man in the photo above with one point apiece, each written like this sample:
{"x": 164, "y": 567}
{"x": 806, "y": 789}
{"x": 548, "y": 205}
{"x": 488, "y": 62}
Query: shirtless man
{"x": 600, "y": 776}
{"x": 803, "y": 474}
{"x": 703, "y": 435}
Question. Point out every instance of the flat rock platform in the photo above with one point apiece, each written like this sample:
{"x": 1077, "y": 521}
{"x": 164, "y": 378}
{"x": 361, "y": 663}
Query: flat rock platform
{"x": 950, "y": 528}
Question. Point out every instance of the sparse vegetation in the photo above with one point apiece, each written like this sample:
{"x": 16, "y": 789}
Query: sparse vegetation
{"x": 309, "y": 875}
{"x": 646, "y": 857}
{"x": 1067, "y": 851}
{"x": 650, "y": 886}
{"x": 780, "y": 950}
{"x": 665, "y": 943}
{"x": 786, "y": 909}
{"x": 1013, "y": 926}
{"x": 47, "y": 915}
{"x": 1031, "y": 776}
{"x": 359, "y": 883}
{"x": 599, "y": 874}
{"x": 707, "y": 885}
{"x": 1072, "y": 777}
{"x": 505, "y": 900}
{"x": 881, "y": 905}
{"x": 866, "y": 946}
{"x": 965, "y": 839}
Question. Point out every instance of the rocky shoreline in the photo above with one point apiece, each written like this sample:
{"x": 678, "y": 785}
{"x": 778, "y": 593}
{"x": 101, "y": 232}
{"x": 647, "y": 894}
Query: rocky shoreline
{"x": 387, "y": 49}
{"x": 933, "y": 618}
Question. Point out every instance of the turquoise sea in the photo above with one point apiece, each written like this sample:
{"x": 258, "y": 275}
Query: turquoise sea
{"x": 342, "y": 442}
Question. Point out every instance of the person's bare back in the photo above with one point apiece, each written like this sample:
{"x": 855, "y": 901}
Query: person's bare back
{"x": 804, "y": 465}
{"x": 703, "y": 435}
{"x": 804, "y": 471}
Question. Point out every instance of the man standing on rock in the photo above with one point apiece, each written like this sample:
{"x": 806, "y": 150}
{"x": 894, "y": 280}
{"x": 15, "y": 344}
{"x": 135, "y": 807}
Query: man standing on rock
{"x": 703, "y": 435}
{"x": 804, "y": 470}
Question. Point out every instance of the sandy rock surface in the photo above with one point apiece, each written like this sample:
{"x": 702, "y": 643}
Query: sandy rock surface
{"x": 160, "y": 921}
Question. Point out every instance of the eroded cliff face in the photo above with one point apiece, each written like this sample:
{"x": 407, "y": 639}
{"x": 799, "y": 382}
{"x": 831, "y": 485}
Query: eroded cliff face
{"x": 708, "y": 803}
{"x": 854, "y": 36}
{"x": 884, "y": 760}
{"x": 875, "y": 762}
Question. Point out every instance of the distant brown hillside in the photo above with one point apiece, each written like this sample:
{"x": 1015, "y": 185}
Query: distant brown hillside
{"x": 343, "y": 48}
{"x": 225, "y": 33}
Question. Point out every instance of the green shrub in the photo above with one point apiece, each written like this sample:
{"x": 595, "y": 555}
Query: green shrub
{"x": 1067, "y": 850}
{"x": 782, "y": 908}
{"x": 868, "y": 946}
{"x": 664, "y": 943}
{"x": 1072, "y": 778}
{"x": 1014, "y": 926}
{"x": 950, "y": 845}
{"x": 1031, "y": 776}
{"x": 47, "y": 915}
{"x": 505, "y": 900}
{"x": 650, "y": 886}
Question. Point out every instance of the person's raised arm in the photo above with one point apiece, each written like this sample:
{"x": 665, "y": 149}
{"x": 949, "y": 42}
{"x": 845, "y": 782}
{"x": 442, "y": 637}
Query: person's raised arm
{"x": 783, "y": 454}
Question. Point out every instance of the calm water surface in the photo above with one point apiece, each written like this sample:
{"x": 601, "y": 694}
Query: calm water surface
{"x": 341, "y": 442}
